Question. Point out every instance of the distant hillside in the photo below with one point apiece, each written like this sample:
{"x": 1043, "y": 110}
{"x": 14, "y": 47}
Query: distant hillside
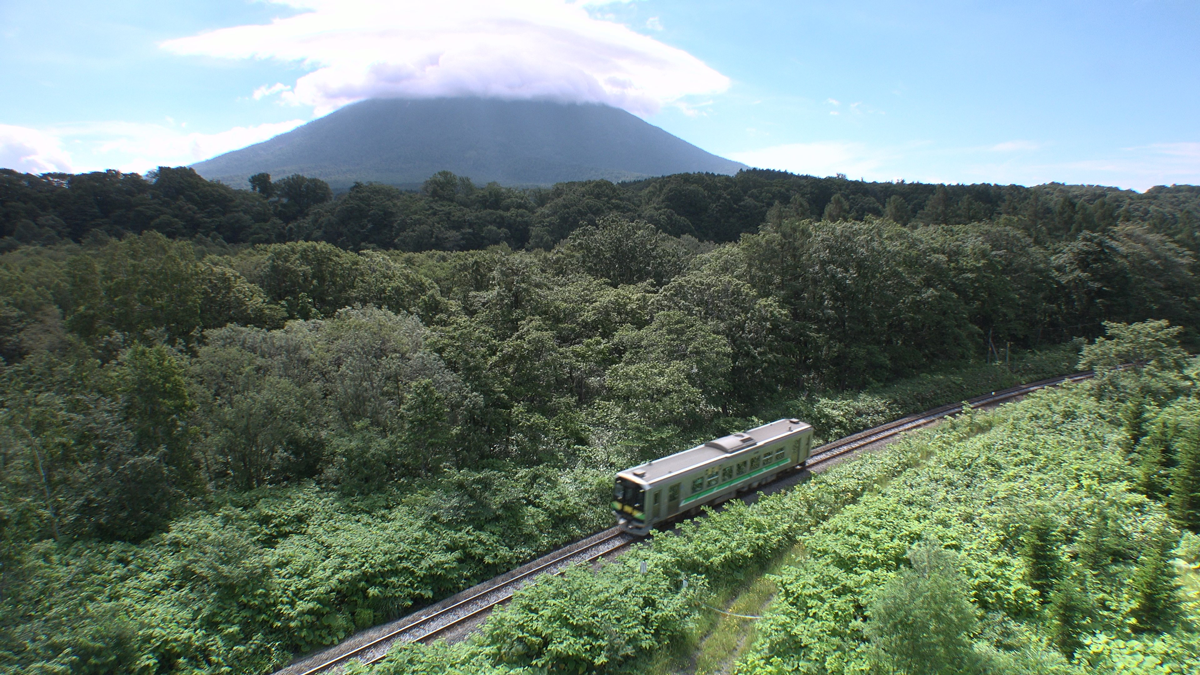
{"x": 516, "y": 143}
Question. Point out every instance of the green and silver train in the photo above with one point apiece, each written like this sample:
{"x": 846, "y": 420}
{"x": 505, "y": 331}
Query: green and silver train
{"x": 660, "y": 490}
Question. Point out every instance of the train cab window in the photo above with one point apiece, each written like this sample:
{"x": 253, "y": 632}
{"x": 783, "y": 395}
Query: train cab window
{"x": 698, "y": 485}
{"x": 630, "y": 494}
{"x": 754, "y": 462}
{"x": 741, "y": 468}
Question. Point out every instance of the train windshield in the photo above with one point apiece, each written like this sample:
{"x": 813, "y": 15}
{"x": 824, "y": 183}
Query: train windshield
{"x": 629, "y": 493}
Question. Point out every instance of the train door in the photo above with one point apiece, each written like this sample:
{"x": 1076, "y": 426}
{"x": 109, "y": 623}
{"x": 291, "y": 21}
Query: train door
{"x": 673, "y": 499}
{"x": 656, "y": 508}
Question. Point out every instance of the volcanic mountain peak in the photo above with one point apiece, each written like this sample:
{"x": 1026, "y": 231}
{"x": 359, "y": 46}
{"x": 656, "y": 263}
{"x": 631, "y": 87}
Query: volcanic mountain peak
{"x": 516, "y": 143}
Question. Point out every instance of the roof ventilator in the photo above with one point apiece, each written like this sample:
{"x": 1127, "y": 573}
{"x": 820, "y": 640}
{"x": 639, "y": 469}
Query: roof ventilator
{"x": 732, "y": 443}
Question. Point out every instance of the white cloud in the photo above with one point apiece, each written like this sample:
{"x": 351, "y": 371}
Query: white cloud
{"x": 1186, "y": 153}
{"x": 264, "y": 91}
{"x": 1019, "y": 162}
{"x": 1015, "y": 146}
{"x": 654, "y": 23}
{"x": 141, "y": 147}
{"x": 825, "y": 158}
{"x": 509, "y": 49}
{"x": 1136, "y": 168}
{"x": 125, "y": 146}
{"x": 31, "y": 151}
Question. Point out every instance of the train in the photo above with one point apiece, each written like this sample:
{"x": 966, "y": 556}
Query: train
{"x": 661, "y": 490}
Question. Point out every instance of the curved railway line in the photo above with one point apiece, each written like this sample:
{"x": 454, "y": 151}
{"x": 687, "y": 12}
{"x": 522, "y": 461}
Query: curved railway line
{"x": 464, "y": 610}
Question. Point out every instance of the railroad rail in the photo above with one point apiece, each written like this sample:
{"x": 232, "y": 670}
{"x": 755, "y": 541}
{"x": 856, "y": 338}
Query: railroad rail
{"x": 844, "y": 446}
{"x": 471, "y": 605}
{"x": 464, "y": 608}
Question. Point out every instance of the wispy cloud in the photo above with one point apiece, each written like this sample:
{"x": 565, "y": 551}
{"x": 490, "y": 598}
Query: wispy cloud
{"x": 1018, "y": 162}
{"x": 511, "y": 49}
{"x": 144, "y": 146}
{"x": 32, "y": 151}
{"x": 265, "y": 91}
{"x": 824, "y": 158}
{"x": 1188, "y": 153}
{"x": 125, "y": 146}
{"x": 1015, "y": 146}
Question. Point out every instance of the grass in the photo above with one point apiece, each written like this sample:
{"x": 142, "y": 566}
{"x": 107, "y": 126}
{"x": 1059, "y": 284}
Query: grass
{"x": 718, "y": 639}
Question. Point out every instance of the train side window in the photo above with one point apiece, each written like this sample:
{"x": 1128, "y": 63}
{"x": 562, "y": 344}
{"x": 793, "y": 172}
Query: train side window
{"x": 657, "y": 496}
{"x": 713, "y": 477}
{"x": 698, "y": 485}
{"x": 673, "y": 493}
{"x": 741, "y": 468}
{"x": 779, "y": 454}
{"x": 754, "y": 462}
{"x": 726, "y": 474}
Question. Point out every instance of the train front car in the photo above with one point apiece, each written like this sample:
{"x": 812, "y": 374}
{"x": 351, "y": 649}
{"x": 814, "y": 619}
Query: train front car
{"x": 629, "y": 502}
{"x": 663, "y": 489}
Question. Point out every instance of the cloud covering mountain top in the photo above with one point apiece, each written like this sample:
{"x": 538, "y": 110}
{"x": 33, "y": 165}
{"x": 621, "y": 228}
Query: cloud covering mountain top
{"x": 505, "y": 49}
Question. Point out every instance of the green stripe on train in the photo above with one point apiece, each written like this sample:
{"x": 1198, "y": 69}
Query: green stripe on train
{"x": 718, "y": 488}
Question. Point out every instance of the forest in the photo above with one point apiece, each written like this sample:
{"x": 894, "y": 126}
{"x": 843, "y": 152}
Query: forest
{"x": 450, "y": 213}
{"x": 1053, "y": 536}
{"x": 237, "y": 425}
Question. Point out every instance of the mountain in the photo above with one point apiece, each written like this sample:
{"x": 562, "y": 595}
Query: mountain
{"x": 516, "y": 143}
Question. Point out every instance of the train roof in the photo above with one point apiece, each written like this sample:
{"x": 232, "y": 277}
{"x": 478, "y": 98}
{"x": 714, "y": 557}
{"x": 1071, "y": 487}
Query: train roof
{"x": 734, "y": 444}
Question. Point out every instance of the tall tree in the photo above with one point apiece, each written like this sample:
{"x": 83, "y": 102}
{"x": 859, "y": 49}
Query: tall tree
{"x": 896, "y": 210}
{"x": 1039, "y": 551}
{"x": 922, "y": 620}
{"x": 1184, "y": 499}
{"x": 1155, "y": 591}
{"x": 838, "y": 209}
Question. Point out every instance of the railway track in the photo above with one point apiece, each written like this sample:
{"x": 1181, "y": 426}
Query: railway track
{"x": 461, "y": 611}
{"x": 470, "y": 606}
{"x": 848, "y": 445}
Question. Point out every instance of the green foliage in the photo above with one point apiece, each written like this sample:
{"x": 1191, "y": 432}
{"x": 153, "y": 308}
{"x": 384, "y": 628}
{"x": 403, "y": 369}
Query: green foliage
{"x": 233, "y": 426}
{"x": 1050, "y": 454}
{"x": 1152, "y": 347}
{"x": 1135, "y": 417}
{"x": 1040, "y": 553}
{"x": 576, "y": 621}
{"x": 1168, "y": 463}
{"x": 583, "y": 623}
{"x": 1157, "y": 655}
{"x": 1185, "y": 482}
{"x": 838, "y": 417}
{"x": 146, "y": 283}
{"x": 1070, "y": 610}
{"x": 1154, "y": 590}
{"x": 922, "y": 620}
{"x": 625, "y": 252}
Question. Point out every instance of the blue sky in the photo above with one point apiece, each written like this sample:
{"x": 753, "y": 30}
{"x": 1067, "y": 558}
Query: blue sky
{"x": 962, "y": 92}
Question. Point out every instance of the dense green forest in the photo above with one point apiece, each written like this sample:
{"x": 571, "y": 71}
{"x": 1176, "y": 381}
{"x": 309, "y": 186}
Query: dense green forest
{"x": 1026, "y": 540}
{"x": 450, "y": 213}
{"x": 237, "y": 425}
